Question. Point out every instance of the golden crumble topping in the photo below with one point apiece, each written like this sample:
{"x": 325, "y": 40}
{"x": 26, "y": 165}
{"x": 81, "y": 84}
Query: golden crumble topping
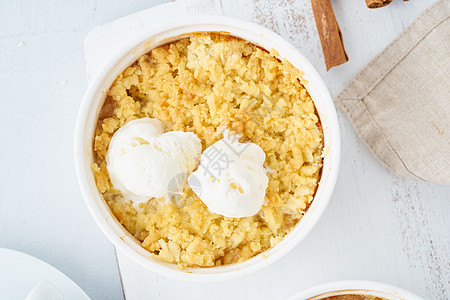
{"x": 200, "y": 84}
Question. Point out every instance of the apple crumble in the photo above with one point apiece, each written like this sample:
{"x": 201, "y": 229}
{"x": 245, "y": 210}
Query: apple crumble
{"x": 205, "y": 83}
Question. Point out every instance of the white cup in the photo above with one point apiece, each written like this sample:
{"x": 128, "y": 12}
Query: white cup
{"x": 154, "y": 37}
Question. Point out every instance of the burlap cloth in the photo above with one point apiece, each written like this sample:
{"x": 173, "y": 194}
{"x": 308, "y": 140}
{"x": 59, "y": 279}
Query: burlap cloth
{"x": 399, "y": 103}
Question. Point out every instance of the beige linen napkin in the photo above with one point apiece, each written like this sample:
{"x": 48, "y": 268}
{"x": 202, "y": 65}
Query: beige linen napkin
{"x": 399, "y": 103}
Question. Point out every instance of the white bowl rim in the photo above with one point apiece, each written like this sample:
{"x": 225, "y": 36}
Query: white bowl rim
{"x": 100, "y": 212}
{"x": 373, "y": 288}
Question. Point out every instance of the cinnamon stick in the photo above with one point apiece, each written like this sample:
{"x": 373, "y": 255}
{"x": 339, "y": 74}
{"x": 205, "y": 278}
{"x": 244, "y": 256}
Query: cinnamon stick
{"x": 329, "y": 33}
{"x": 377, "y": 3}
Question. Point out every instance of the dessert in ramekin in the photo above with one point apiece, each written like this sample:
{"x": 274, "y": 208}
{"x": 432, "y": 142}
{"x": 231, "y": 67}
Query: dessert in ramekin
{"x": 355, "y": 290}
{"x": 209, "y": 76}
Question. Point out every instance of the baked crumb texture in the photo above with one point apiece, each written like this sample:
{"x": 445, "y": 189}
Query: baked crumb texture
{"x": 201, "y": 84}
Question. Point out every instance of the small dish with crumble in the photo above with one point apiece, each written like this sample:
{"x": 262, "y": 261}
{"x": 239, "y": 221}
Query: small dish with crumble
{"x": 355, "y": 290}
{"x": 208, "y": 150}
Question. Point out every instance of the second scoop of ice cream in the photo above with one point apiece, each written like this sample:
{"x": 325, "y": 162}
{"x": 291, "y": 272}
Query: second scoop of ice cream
{"x": 143, "y": 161}
{"x": 231, "y": 179}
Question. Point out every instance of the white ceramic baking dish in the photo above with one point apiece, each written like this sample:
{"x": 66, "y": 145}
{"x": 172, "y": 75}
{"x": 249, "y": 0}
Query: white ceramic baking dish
{"x": 370, "y": 288}
{"x": 143, "y": 43}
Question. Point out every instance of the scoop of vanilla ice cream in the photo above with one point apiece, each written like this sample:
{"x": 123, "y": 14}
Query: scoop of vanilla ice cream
{"x": 144, "y": 162}
{"x": 231, "y": 179}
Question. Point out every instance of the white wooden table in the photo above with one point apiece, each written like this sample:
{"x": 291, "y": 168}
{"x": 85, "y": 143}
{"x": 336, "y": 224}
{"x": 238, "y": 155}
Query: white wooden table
{"x": 377, "y": 226}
